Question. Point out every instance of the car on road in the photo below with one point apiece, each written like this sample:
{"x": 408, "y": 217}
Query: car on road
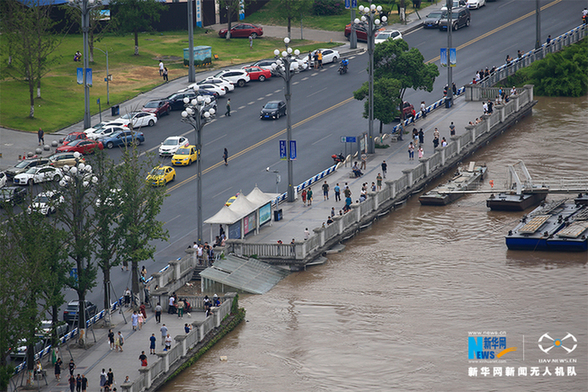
{"x": 83, "y": 146}
{"x": 61, "y": 159}
{"x": 12, "y": 195}
{"x": 236, "y": 76}
{"x": 263, "y": 64}
{"x": 242, "y": 30}
{"x": 217, "y": 90}
{"x": 455, "y": 4}
{"x": 432, "y": 20}
{"x": 231, "y": 200}
{"x": 124, "y": 138}
{"x": 105, "y": 131}
{"x": 221, "y": 82}
{"x": 161, "y": 175}
{"x": 185, "y": 156}
{"x": 360, "y": 31}
{"x": 460, "y": 17}
{"x": 258, "y": 73}
{"x": 385, "y": 35}
{"x": 3, "y": 179}
{"x": 172, "y": 144}
{"x": 329, "y": 55}
{"x": 73, "y": 136}
{"x": 46, "y": 202}
{"x": 158, "y": 107}
{"x": 176, "y": 100}
{"x": 47, "y": 327}
{"x": 408, "y": 110}
{"x": 273, "y": 110}
{"x": 70, "y": 314}
{"x": 475, "y": 4}
{"x": 20, "y": 352}
{"x": 38, "y": 174}
{"x": 138, "y": 119}
{"x": 25, "y": 165}
{"x": 96, "y": 127}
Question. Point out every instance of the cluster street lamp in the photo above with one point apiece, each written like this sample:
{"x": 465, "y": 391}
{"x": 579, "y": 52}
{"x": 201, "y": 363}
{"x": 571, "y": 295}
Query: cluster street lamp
{"x": 369, "y": 16}
{"x": 285, "y": 67}
{"x": 197, "y": 116}
{"x": 85, "y": 6}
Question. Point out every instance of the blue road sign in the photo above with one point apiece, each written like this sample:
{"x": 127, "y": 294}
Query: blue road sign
{"x": 283, "y": 151}
{"x": 293, "y": 150}
{"x": 347, "y": 4}
{"x": 353, "y": 3}
{"x": 348, "y": 139}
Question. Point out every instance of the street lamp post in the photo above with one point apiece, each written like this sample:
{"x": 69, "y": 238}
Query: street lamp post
{"x": 368, "y": 15}
{"x": 85, "y": 6}
{"x": 285, "y": 67}
{"x": 196, "y": 115}
{"x": 107, "y": 77}
{"x": 278, "y": 178}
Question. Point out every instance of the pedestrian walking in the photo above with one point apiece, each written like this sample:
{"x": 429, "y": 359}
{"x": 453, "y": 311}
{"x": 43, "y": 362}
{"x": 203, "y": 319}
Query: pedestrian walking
{"x": 379, "y": 181}
{"x": 72, "y": 383}
{"x": 423, "y": 109}
{"x": 452, "y": 127}
{"x": 309, "y": 196}
{"x": 421, "y": 152}
{"x": 41, "y": 135}
{"x": 410, "y": 152}
{"x": 251, "y": 41}
{"x": 84, "y": 383}
{"x": 140, "y": 320}
{"x": 111, "y": 339}
{"x": 165, "y": 78}
{"x": 226, "y": 157}
{"x": 158, "y": 310}
{"x": 79, "y": 383}
{"x": 143, "y": 311}
{"x": 121, "y": 341}
{"x": 384, "y": 168}
{"x": 163, "y": 330}
{"x": 143, "y": 358}
{"x": 363, "y": 161}
{"x": 168, "y": 343}
{"x": 303, "y": 197}
{"x": 72, "y": 367}
{"x": 337, "y": 192}
{"x": 180, "y": 308}
{"x": 57, "y": 367}
{"x": 421, "y": 137}
{"x": 110, "y": 377}
{"x": 102, "y": 379}
{"x": 228, "y": 112}
{"x": 161, "y": 67}
{"x": 152, "y": 340}
{"x": 134, "y": 320}
{"x": 325, "y": 191}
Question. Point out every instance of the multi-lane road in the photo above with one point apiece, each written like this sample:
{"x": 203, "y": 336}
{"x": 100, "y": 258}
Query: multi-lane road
{"x": 322, "y": 111}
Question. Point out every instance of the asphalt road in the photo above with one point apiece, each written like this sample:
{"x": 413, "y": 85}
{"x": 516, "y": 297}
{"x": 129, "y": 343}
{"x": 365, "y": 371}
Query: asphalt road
{"x": 322, "y": 111}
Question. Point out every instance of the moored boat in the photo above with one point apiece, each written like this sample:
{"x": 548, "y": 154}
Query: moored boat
{"x": 516, "y": 202}
{"x": 463, "y": 180}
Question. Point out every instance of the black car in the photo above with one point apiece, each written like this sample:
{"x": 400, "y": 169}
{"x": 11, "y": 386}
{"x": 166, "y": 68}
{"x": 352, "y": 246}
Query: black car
{"x": 460, "y": 18}
{"x": 432, "y": 20}
{"x": 273, "y": 110}
{"x": 70, "y": 314}
{"x": 12, "y": 195}
{"x": 25, "y": 165}
{"x": 176, "y": 100}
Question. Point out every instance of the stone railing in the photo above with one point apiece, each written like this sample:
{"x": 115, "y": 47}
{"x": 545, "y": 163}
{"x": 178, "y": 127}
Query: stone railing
{"x": 184, "y": 343}
{"x": 402, "y": 186}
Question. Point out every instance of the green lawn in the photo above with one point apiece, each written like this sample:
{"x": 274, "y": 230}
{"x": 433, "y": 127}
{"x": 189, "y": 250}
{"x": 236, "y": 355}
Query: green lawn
{"x": 62, "y": 98}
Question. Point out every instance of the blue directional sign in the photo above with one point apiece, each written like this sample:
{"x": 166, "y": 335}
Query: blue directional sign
{"x": 80, "y": 76}
{"x": 347, "y": 4}
{"x": 348, "y": 139}
{"x": 283, "y": 150}
{"x": 353, "y": 3}
{"x": 292, "y": 150}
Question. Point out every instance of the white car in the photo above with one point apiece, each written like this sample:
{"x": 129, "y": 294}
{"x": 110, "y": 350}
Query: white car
{"x": 386, "y": 35}
{"x": 138, "y": 119}
{"x": 237, "y": 77}
{"x": 105, "y": 131}
{"x": 46, "y": 202}
{"x": 37, "y": 175}
{"x": 114, "y": 199}
{"x": 221, "y": 82}
{"x": 218, "y": 90}
{"x": 475, "y": 4}
{"x": 172, "y": 144}
{"x": 2, "y": 179}
{"x": 329, "y": 55}
{"x": 96, "y": 127}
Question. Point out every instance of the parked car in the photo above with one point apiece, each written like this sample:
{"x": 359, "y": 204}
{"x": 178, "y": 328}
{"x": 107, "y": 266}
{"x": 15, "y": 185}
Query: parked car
{"x": 385, "y": 35}
{"x": 221, "y": 82}
{"x": 236, "y": 76}
{"x": 46, "y": 202}
{"x": 360, "y": 31}
{"x": 20, "y": 352}
{"x": 460, "y": 17}
{"x": 455, "y": 4}
{"x": 161, "y": 175}
{"x": 273, "y": 110}
{"x": 96, "y": 127}
{"x": 432, "y": 20}
{"x": 124, "y": 138}
{"x": 264, "y": 64}
{"x": 73, "y": 136}
{"x": 47, "y": 327}
{"x": 105, "y": 131}
{"x": 38, "y": 174}
{"x": 242, "y": 30}
{"x": 176, "y": 100}
{"x": 83, "y": 146}
{"x": 70, "y": 314}
{"x": 12, "y": 195}
{"x": 329, "y": 55}
{"x": 475, "y": 4}
{"x": 138, "y": 119}
{"x": 185, "y": 156}
{"x": 25, "y": 165}
{"x": 217, "y": 90}
{"x": 65, "y": 158}
{"x": 257, "y": 73}
{"x": 3, "y": 179}
{"x": 157, "y": 107}
{"x": 172, "y": 144}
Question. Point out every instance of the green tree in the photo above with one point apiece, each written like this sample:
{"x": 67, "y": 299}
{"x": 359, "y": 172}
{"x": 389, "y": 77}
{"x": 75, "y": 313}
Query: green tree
{"x": 293, "y": 10}
{"x": 386, "y": 100}
{"x": 132, "y": 16}
{"x": 232, "y": 7}
{"x": 98, "y": 24}
{"x": 142, "y": 203}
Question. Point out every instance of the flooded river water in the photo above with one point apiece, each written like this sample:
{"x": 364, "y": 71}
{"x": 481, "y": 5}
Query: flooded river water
{"x": 394, "y": 310}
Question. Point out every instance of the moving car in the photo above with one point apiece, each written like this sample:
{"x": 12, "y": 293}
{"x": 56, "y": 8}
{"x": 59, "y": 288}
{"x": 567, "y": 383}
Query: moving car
{"x": 70, "y": 314}
{"x": 65, "y": 158}
{"x": 46, "y": 202}
{"x": 25, "y": 165}
{"x": 475, "y": 4}
{"x": 329, "y": 55}
{"x": 105, "y": 131}
{"x": 242, "y": 30}
{"x": 231, "y": 200}
{"x": 12, "y": 195}
{"x": 138, "y": 119}
{"x": 124, "y": 138}
{"x": 83, "y": 146}
{"x": 37, "y": 175}
{"x": 386, "y": 35}
{"x": 185, "y": 156}
{"x": 460, "y": 17}
{"x": 236, "y": 76}
{"x": 73, "y": 136}
{"x": 257, "y": 73}
{"x": 172, "y": 144}
{"x": 157, "y": 107}
{"x": 432, "y": 20}
{"x": 161, "y": 175}
{"x": 273, "y": 110}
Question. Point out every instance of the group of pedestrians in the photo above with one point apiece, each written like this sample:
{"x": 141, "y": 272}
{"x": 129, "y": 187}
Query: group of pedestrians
{"x": 116, "y": 341}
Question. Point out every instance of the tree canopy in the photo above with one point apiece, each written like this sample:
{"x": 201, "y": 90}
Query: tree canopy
{"x": 132, "y": 16}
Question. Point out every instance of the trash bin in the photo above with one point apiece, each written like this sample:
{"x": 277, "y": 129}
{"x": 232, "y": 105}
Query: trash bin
{"x": 448, "y": 103}
{"x": 115, "y": 110}
{"x": 278, "y": 215}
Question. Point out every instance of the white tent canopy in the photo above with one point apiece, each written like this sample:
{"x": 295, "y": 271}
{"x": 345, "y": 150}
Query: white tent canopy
{"x": 224, "y": 216}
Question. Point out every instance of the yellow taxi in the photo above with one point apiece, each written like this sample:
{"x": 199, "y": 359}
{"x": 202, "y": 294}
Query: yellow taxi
{"x": 161, "y": 175}
{"x": 185, "y": 156}
{"x": 231, "y": 200}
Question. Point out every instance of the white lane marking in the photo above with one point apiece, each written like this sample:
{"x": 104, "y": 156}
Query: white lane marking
{"x": 217, "y": 139}
{"x": 305, "y": 78}
{"x": 314, "y": 74}
{"x": 175, "y": 217}
{"x": 316, "y": 92}
{"x": 251, "y": 103}
{"x": 221, "y": 192}
{"x": 278, "y": 91}
{"x": 241, "y": 107}
{"x": 269, "y": 95}
{"x": 320, "y": 140}
{"x": 260, "y": 98}
{"x": 295, "y": 82}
